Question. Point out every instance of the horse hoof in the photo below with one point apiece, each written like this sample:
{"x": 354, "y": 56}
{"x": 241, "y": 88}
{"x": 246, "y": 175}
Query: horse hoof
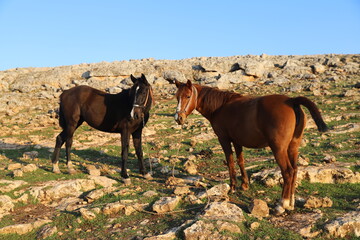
{"x": 279, "y": 210}
{"x": 56, "y": 171}
{"x": 127, "y": 181}
{"x": 148, "y": 176}
{"x": 244, "y": 187}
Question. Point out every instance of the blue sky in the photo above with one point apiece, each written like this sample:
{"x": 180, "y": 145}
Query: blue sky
{"x": 46, "y": 33}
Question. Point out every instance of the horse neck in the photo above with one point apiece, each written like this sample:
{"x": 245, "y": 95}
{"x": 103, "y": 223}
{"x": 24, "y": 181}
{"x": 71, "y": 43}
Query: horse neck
{"x": 211, "y": 99}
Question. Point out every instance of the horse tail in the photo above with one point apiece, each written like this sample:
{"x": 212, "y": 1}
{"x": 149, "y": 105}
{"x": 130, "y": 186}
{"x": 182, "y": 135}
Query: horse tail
{"x": 314, "y": 111}
{"x": 62, "y": 120}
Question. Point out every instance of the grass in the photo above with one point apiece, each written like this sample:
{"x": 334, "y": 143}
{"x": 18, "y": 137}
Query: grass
{"x": 344, "y": 147}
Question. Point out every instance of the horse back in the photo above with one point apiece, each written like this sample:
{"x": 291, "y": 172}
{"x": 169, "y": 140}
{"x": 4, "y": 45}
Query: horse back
{"x": 252, "y": 121}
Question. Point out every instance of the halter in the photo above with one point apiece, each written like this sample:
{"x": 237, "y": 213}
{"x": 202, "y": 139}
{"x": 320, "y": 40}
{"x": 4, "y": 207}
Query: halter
{"x": 192, "y": 94}
{"x": 146, "y": 100}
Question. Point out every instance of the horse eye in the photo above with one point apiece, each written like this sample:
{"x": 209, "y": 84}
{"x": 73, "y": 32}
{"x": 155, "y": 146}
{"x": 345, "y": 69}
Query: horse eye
{"x": 188, "y": 96}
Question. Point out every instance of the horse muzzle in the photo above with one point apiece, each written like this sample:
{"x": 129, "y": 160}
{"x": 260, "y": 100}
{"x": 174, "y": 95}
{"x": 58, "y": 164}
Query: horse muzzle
{"x": 180, "y": 118}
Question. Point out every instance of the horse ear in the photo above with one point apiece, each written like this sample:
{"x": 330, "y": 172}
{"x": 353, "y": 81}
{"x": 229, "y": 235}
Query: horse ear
{"x": 144, "y": 80}
{"x": 188, "y": 83}
{"x": 133, "y": 79}
{"x": 174, "y": 81}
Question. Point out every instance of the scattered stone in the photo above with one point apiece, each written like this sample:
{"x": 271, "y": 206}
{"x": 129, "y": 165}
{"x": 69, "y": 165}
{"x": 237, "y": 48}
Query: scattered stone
{"x": 93, "y": 170}
{"x": 18, "y": 173}
{"x": 219, "y": 191}
{"x": 190, "y": 167}
{"x": 254, "y": 225}
{"x": 329, "y": 158}
{"x": 46, "y": 231}
{"x": 23, "y": 228}
{"x": 6, "y": 205}
{"x": 14, "y": 166}
{"x": 314, "y": 202}
{"x": 87, "y": 214}
{"x": 113, "y": 208}
{"x": 259, "y": 208}
{"x": 150, "y": 194}
{"x": 300, "y": 223}
{"x": 166, "y": 204}
{"x": 224, "y": 211}
{"x": 182, "y": 190}
{"x": 98, "y": 193}
{"x": 346, "y": 225}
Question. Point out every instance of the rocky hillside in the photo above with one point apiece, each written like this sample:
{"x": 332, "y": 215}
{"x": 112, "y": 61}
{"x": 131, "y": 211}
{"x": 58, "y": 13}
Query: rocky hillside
{"x": 188, "y": 197}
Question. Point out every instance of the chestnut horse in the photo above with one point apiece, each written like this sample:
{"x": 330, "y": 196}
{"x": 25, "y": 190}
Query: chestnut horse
{"x": 253, "y": 122}
{"x": 126, "y": 113}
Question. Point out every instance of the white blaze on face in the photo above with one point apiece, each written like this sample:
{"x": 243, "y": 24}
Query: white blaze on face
{"x": 178, "y": 109}
{"x": 132, "y": 110}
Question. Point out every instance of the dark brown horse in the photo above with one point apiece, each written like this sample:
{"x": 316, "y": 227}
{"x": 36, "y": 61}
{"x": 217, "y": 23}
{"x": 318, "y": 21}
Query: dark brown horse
{"x": 254, "y": 122}
{"x": 126, "y": 113}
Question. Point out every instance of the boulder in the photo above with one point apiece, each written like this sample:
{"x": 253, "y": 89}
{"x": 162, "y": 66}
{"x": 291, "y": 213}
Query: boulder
{"x": 348, "y": 224}
{"x": 218, "y": 191}
{"x": 166, "y": 204}
{"x": 14, "y": 166}
{"x": 259, "y": 208}
{"x": 113, "y": 208}
{"x": 223, "y": 211}
{"x": 23, "y": 228}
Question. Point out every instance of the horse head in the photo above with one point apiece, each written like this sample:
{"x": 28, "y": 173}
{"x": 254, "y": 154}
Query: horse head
{"x": 186, "y": 96}
{"x": 142, "y": 96}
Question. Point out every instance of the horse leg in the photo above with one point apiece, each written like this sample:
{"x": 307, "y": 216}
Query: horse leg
{"x": 293, "y": 157}
{"x": 139, "y": 152}
{"x": 125, "y": 138}
{"x": 240, "y": 160}
{"x": 287, "y": 172}
{"x": 68, "y": 145}
{"x": 60, "y": 140}
{"x": 226, "y": 146}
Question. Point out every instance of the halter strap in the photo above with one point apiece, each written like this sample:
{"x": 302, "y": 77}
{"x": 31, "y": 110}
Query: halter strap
{"x": 146, "y": 100}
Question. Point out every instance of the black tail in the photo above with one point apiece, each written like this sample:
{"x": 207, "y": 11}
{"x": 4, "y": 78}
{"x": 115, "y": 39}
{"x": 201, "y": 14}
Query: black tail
{"x": 314, "y": 111}
{"x": 62, "y": 121}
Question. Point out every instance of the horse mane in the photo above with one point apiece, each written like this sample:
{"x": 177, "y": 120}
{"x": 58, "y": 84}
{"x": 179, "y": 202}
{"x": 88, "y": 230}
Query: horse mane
{"x": 214, "y": 98}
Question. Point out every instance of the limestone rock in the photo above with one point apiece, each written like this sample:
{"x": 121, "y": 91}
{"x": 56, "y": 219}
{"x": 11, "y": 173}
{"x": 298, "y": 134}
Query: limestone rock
{"x": 314, "y": 202}
{"x": 113, "y": 208}
{"x": 29, "y": 168}
{"x": 92, "y": 170}
{"x": 202, "y": 230}
{"x": 46, "y": 231}
{"x": 98, "y": 193}
{"x": 182, "y": 190}
{"x": 259, "y": 208}
{"x": 14, "y": 166}
{"x": 9, "y": 185}
{"x": 87, "y": 214}
{"x": 18, "y": 173}
{"x": 103, "y": 181}
{"x": 218, "y": 191}
{"x": 190, "y": 167}
{"x": 166, "y": 204}
{"x": 22, "y": 228}
{"x": 224, "y": 211}
{"x": 150, "y": 193}
{"x": 345, "y": 225}
{"x": 6, "y": 205}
